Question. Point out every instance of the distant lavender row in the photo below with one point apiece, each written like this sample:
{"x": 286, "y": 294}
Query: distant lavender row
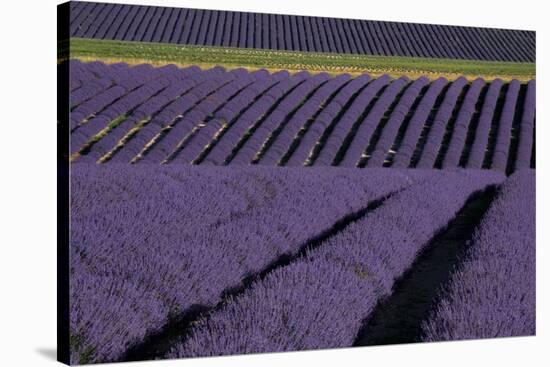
{"x": 151, "y": 241}
{"x": 142, "y": 114}
{"x": 492, "y": 294}
{"x": 320, "y": 300}
{"x": 297, "y": 33}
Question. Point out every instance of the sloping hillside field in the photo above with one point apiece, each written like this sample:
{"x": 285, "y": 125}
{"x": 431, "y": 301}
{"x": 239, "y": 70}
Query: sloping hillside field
{"x": 168, "y": 115}
{"x": 239, "y": 183}
{"x": 296, "y": 33}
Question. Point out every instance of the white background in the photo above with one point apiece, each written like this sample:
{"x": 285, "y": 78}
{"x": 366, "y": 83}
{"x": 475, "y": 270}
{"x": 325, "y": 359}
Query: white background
{"x": 28, "y": 182}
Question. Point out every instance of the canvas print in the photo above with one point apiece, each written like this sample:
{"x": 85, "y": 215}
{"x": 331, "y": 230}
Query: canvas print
{"x": 234, "y": 183}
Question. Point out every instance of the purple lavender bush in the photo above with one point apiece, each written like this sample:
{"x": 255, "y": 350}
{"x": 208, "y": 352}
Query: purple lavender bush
{"x": 149, "y": 242}
{"x": 319, "y": 300}
{"x": 297, "y": 33}
{"x": 492, "y": 294}
{"x": 140, "y": 114}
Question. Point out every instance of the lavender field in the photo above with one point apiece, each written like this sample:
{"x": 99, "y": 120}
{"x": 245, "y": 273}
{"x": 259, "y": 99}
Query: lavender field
{"x": 259, "y": 259}
{"x": 217, "y": 208}
{"x": 296, "y": 33}
{"x": 170, "y": 115}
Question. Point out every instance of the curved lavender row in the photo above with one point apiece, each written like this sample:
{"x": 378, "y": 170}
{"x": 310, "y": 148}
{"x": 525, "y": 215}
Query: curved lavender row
{"x": 344, "y": 126}
{"x": 525, "y": 145}
{"x": 195, "y": 232}
{"x": 284, "y": 140}
{"x": 364, "y": 133}
{"x": 221, "y": 152}
{"x": 317, "y": 129}
{"x": 403, "y": 156}
{"x": 492, "y": 294}
{"x": 138, "y": 76}
{"x": 182, "y": 129}
{"x": 439, "y": 125}
{"x": 112, "y": 71}
{"x": 477, "y": 152}
{"x": 119, "y": 108}
{"x": 117, "y": 72}
{"x": 201, "y": 86}
{"x": 97, "y": 68}
{"x": 325, "y": 119}
{"x": 115, "y": 101}
{"x": 460, "y": 130}
{"x": 299, "y": 33}
{"x": 502, "y": 146}
{"x": 253, "y": 145}
{"x": 89, "y": 90}
{"x": 179, "y": 84}
{"x": 194, "y": 105}
{"x": 225, "y": 116}
{"x": 320, "y": 300}
{"x": 79, "y": 74}
{"x": 391, "y": 129}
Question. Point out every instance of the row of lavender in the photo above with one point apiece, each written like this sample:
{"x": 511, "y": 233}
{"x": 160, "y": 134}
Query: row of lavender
{"x": 197, "y": 233}
{"x": 143, "y": 114}
{"x": 296, "y": 33}
{"x": 492, "y": 293}
{"x": 320, "y": 300}
{"x": 150, "y": 242}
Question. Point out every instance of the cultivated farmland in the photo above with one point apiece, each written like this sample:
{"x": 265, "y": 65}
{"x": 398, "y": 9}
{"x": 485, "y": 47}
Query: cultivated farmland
{"x": 296, "y": 33}
{"x": 173, "y": 115}
{"x": 251, "y": 183}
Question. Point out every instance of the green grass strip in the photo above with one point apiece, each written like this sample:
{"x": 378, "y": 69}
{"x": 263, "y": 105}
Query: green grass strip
{"x": 206, "y": 56}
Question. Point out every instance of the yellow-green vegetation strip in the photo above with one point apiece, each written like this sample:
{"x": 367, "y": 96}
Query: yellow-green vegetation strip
{"x": 206, "y": 56}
